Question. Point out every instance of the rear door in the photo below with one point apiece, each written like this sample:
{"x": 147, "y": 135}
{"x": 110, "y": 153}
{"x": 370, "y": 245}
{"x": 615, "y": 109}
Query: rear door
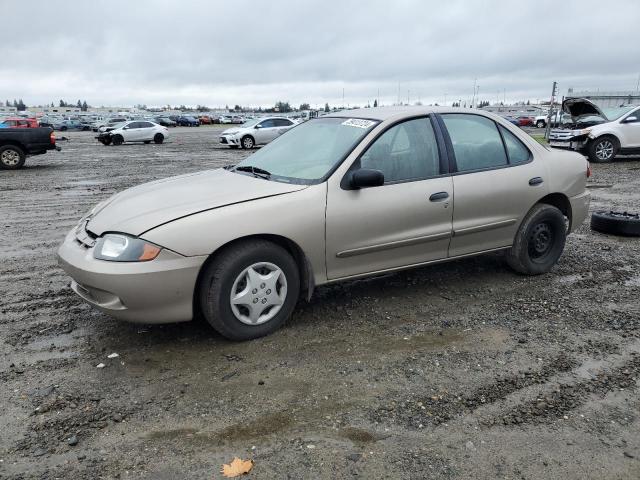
{"x": 283, "y": 124}
{"x": 132, "y": 132}
{"x": 496, "y": 181}
{"x": 404, "y": 222}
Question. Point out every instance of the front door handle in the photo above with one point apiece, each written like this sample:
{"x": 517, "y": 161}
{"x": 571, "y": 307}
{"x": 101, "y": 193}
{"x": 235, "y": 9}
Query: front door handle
{"x": 535, "y": 181}
{"x": 437, "y": 197}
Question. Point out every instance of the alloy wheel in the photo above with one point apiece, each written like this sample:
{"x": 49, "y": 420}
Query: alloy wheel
{"x": 258, "y": 293}
{"x": 10, "y": 158}
{"x": 604, "y": 150}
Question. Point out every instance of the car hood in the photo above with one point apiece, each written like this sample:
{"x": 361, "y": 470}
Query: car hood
{"x": 578, "y": 107}
{"x": 230, "y": 131}
{"x": 141, "y": 208}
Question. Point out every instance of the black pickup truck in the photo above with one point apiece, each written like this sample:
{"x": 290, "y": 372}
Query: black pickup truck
{"x": 17, "y": 143}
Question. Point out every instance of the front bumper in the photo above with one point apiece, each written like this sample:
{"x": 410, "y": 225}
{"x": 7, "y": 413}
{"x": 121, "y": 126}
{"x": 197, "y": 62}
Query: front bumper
{"x": 229, "y": 140}
{"x": 568, "y": 139}
{"x": 158, "y": 291}
{"x": 579, "y": 209}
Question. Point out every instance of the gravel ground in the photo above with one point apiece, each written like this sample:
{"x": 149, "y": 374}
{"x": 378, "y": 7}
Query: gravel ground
{"x": 461, "y": 370}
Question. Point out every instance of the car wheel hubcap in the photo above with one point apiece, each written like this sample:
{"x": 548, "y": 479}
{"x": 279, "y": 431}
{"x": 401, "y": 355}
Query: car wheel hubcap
{"x": 248, "y": 143}
{"x": 258, "y": 293}
{"x": 540, "y": 241}
{"x": 604, "y": 150}
{"x": 10, "y": 158}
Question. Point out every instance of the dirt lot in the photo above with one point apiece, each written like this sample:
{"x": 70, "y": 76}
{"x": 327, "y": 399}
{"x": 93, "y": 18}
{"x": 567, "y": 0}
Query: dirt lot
{"x": 463, "y": 370}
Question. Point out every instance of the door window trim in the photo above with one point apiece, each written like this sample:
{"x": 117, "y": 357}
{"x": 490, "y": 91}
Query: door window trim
{"x": 452, "y": 156}
{"x": 443, "y": 157}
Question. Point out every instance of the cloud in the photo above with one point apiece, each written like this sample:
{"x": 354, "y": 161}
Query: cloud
{"x": 253, "y": 53}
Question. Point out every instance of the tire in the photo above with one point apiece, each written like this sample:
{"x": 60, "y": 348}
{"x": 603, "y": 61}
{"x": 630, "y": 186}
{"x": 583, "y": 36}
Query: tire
{"x": 603, "y": 149}
{"x": 539, "y": 241}
{"x": 117, "y": 139}
{"x": 616, "y": 223}
{"x": 540, "y": 124}
{"x": 63, "y": 129}
{"x": 229, "y": 272}
{"x": 11, "y": 157}
{"x": 157, "y": 138}
{"x": 247, "y": 142}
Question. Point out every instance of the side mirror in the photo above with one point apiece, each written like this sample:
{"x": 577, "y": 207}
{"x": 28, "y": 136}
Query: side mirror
{"x": 257, "y": 126}
{"x": 630, "y": 119}
{"x": 365, "y": 178}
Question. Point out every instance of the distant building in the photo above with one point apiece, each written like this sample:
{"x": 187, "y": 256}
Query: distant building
{"x": 5, "y": 110}
{"x": 606, "y": 99}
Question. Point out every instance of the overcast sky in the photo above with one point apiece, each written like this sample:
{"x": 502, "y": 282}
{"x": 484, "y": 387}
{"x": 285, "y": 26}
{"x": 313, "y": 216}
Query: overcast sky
{"x": 255, "y": 53}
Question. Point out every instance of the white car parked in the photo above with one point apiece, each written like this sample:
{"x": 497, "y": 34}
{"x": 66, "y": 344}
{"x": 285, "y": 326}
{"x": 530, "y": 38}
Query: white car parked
{"x": 259, "y": 131}
{"x": 135, "y": 131}
{"x": 599, "y": 133}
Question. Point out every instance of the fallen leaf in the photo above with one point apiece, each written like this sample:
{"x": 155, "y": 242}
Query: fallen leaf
{"x": 237, "y": 467}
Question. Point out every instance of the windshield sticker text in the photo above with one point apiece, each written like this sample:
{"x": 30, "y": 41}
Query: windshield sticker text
{"x": 357, "y": 122}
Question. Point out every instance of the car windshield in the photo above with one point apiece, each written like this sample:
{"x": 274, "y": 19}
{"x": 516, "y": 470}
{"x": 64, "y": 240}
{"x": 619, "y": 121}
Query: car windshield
{"x": 308, "y": 152}
{"x": 250, "y": 123}
{"x": 617, "y": 112}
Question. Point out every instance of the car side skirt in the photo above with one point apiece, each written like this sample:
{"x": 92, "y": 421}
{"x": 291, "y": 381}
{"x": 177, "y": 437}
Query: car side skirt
{"x": 415, "y": 265}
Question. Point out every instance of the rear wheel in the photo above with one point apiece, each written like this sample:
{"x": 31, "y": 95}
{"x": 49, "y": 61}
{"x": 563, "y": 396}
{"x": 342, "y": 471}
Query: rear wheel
{"x": 249, "y": 290}
{"x": 539, "y": 241}
{"x": 11, "y": 157}
{"x": 158, "y": 138}
{"x": 540, "y": 124}
{"x": 118, "y": 139}
{"x": 603, "y": 149}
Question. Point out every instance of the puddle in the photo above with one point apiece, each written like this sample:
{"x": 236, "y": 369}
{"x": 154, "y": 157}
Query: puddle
{"x": 633, "y": 282}
{"x": 574, "y": 278}
{"x": 359, "y": 435}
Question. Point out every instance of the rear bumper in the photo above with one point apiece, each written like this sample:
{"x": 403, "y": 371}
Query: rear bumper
{"x": 158, "y": 291}
{"x": 579, "y": 209}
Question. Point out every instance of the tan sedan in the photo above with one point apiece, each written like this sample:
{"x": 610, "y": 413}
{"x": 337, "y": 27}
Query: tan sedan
{"x": 340, "y": 197}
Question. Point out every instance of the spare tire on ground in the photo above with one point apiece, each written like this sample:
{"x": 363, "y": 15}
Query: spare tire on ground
{"x": 616, "y": 223}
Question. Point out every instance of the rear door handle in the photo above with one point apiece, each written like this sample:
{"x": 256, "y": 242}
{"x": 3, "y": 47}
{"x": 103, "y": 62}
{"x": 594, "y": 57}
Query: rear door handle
{"x": 436, "y": 197}
{"x": 535, "y": 181}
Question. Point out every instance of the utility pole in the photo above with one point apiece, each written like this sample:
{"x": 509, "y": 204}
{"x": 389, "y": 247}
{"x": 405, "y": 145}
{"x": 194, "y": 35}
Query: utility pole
{"x": 398, "y": 92}
{"x": 473, "y": 98}
{"x": 343, "y": 98}
{"x": 554, "y": 92}
{"x": 408, "y": 97}
{"x": 378, "y": 98}
{"x": 445, "y": 99}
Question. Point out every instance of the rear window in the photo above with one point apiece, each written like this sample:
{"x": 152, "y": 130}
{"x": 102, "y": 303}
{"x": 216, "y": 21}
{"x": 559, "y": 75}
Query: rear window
{"x": 476, "y": 142}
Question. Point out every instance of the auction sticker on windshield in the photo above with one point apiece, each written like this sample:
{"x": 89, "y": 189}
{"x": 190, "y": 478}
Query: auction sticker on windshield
{"x": 358, "y": 122}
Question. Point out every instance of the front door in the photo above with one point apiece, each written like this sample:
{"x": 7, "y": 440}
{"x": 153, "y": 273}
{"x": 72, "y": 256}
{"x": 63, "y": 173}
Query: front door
{"x": 630, "y": 130}
{"x": 496, "y": 183}
{"x": 266, "y": 131}
{"x": 404, "y": 222}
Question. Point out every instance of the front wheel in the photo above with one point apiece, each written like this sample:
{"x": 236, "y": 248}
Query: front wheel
{"x": 117, "y": 139}
{"x": 158, "y": 138}
{"x": 603, "y": 149}
{"x": 11, "y": 157}
{"x": 539, "y": 241}
{"x": 249, "y": 290}
{"x": 540, "y": 124}
{"x": 248, "y": 142}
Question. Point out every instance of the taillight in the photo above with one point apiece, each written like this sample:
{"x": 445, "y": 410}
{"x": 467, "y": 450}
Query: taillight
{"x": 52, "y": 138}
{"x": 588, "y": 170}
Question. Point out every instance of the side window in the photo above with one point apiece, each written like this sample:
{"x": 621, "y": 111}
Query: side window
{"x": 476, "y": 141}
{"x": 517, "y": 152}
{"x": 145, "y": 125}
{"x": 134, "y": 125}
{"x": 267, "y": 124}
{"x": 407, "y": 151}
{"x": 282, "y": 122}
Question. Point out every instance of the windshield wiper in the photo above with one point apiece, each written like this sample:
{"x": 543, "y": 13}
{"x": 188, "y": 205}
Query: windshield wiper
{"x": 256, "y": 171}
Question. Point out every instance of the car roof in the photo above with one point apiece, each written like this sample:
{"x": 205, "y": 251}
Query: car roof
{"x": 399, "y": 112}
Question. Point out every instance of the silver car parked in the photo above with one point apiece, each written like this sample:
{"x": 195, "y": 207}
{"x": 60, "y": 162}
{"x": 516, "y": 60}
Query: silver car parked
{"x": 344, "y": 196}
{"x": 254, "y": 132}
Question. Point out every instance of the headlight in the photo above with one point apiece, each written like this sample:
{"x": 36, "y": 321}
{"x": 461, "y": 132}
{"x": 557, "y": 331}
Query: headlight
{"x": 585, "y": 131}
{"x": 117, "y": 247}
